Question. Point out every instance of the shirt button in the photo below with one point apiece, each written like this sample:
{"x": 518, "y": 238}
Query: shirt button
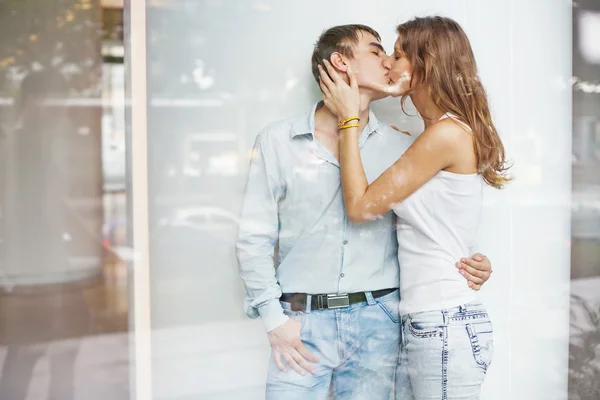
{"x": 342, "y": 275}
{"x": 345, "y": 242}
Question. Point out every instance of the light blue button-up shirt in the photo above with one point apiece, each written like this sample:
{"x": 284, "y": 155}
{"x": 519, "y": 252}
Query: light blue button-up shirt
{"x": 294, "y": 235}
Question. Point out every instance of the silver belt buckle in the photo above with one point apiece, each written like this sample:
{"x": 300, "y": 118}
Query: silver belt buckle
{"x": 338, "y": 301}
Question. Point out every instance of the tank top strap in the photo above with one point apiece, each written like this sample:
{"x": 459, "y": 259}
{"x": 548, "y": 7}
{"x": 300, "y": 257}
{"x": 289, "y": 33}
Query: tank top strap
{"x": 456, "y": 119}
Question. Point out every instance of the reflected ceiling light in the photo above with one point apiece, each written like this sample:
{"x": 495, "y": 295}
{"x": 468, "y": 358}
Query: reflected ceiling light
{"x": 589, "y": 32}
{"x": 111, "y": 3}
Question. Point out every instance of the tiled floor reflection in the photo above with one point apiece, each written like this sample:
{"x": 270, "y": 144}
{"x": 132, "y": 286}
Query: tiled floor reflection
{"x": 69, "y": 341}
{"x": 91, "y": 368}
{"x": 58, "y": 341}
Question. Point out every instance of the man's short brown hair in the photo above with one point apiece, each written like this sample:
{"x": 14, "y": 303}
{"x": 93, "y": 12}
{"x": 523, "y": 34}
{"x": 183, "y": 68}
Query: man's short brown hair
{"x": 339, "y": 39}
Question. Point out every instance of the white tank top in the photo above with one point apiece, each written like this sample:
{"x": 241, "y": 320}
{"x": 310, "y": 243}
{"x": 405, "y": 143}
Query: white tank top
{"x": 437, "y": 225}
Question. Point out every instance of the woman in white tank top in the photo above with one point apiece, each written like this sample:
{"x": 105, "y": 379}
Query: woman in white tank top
{"x": 435, "y": 189}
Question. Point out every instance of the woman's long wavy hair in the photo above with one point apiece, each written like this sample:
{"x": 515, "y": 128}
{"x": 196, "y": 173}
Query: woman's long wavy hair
{"x": 443, "y": 64}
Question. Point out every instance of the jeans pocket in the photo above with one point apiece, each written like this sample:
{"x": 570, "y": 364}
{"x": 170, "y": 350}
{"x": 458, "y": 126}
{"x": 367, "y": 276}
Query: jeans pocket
{"x": 481, "y": 336}
{"x": 391, "y": 307}
{"x": 424, "y": 325}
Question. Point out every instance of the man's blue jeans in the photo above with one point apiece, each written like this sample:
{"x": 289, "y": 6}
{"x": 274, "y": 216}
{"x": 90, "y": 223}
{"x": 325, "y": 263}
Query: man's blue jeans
{"x": 358, "y": 348}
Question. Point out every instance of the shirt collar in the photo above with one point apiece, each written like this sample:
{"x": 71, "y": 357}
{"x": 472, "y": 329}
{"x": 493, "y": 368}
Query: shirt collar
{"x": 305, "y": 125}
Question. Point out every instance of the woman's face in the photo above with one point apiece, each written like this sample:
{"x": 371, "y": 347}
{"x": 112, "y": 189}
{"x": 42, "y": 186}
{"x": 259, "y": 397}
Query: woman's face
{"x": 400, "y": 71}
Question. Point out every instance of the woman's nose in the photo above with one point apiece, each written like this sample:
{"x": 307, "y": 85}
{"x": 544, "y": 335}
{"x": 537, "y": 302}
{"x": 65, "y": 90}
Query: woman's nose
{"x": 386, "y": 62}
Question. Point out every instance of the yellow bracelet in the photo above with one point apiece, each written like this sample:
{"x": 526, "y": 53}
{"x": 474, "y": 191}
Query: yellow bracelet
{"x": 349, "y": 126}
{"x": 344, "y": 122}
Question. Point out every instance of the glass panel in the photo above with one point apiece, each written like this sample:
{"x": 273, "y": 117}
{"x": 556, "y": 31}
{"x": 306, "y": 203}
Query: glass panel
{"x": 584, "y": 350}
{"x": 219, "y": 71}
{"x": 63, "y": 285}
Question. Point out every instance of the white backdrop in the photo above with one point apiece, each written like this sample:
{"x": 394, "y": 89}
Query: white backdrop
{"x": 250, "y": 64}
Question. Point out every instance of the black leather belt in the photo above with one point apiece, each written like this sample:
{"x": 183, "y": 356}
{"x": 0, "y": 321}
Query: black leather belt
{"x": 329, "y": 301}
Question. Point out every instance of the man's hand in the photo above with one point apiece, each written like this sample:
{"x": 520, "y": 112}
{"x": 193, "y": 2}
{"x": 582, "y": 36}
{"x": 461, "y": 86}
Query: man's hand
{"x": 285, "y": 341}
{"x": 476, "y": 270}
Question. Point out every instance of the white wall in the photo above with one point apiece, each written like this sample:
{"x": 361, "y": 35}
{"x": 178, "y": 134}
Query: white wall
{"x": 257, "y": 56}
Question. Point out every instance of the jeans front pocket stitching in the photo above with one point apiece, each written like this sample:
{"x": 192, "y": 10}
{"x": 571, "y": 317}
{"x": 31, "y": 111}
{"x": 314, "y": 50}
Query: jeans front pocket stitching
{"x": 445, "y": 356}
{"x": 467, "y": 316}
{"x": 476, "y": 347}
{"x": 416, "y": 332}
{"x": 395, "y": 320}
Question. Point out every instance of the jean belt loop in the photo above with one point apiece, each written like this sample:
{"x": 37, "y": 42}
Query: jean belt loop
{"x": 370, "y": 299}
{"x": 308, "y": 303}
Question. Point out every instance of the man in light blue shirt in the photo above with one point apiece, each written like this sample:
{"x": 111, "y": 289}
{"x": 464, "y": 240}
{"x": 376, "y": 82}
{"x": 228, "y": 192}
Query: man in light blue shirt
{"x": 325, "y": 287}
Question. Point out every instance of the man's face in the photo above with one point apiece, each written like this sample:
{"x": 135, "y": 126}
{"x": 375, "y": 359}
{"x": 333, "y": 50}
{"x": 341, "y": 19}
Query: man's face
{"x": 368, "y": 65}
